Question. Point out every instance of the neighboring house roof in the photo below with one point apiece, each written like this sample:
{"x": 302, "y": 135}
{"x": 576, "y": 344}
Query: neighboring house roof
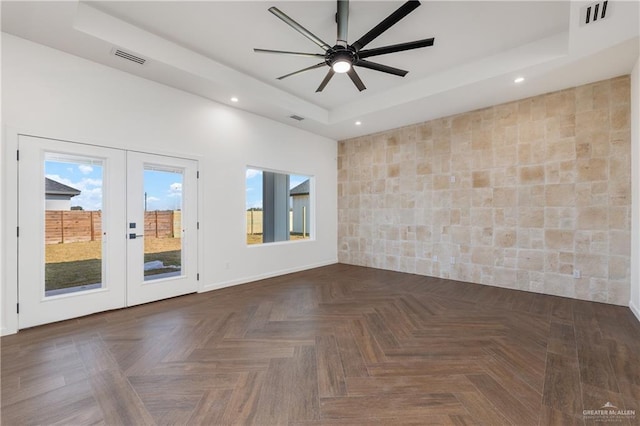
{"x": 56, "y": 188}
{"x": 302, "y": 189}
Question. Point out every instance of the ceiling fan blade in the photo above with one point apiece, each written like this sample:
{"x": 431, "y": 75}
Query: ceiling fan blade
{"x": 299, "y": 28}
{"x": 356, "y": 79}
{"x": 321, "y": 64}
{"x": 285, "y": 52}
{"x": 387, "y": 23}
{"x": 342, "y": 18}
{"x": 396, "y": 48}
{"x": 326, "y": 80}
{"x": 380, "y": 67}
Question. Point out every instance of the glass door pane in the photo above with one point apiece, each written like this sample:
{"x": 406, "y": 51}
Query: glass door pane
{"x": 73, "y": 224}
{"x": 162, "y": 223}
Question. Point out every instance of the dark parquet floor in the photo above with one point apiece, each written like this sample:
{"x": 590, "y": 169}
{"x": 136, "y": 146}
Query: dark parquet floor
{"x": 335, "y": 345}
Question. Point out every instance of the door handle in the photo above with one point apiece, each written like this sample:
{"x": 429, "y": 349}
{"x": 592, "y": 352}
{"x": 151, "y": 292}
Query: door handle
{"x": 134, "y": 236}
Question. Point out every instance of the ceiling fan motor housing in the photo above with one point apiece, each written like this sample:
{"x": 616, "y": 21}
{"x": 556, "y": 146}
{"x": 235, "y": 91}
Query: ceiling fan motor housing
{"x": 340, "y": 53}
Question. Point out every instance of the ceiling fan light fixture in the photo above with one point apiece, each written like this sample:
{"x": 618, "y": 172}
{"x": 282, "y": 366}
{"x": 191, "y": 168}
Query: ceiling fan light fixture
{"x": 341, "y": 66}
{"x": 342, "y": 58}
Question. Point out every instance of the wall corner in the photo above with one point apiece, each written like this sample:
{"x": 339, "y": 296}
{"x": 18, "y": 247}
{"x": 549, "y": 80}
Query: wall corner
{"x": 634, "y": 303}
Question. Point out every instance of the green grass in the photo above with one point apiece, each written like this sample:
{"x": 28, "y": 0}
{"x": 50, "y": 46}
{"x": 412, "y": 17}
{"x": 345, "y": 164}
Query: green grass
{"x": 72, "y": 274}
{"x": 84, "y": 272}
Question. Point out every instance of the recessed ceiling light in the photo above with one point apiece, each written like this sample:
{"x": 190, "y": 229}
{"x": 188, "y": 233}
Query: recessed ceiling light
{"x": 234, "y": 99}
{"x": 518, "y": 80}
{"x": 358, "y": 123}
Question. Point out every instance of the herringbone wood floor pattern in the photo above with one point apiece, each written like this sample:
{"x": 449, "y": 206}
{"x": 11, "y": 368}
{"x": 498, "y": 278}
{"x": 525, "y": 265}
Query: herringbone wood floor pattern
{"x": 334, "y": 345}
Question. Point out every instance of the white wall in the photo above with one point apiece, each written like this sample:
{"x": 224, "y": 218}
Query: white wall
{"x": 49, "y": 93}
{"x": 634, "y": 303}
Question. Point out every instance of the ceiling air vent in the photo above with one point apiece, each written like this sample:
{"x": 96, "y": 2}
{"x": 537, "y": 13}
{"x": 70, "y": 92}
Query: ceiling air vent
{"x": 593, "y": 12}
{"x": 296, "y": 117}
{"x": 128, "y": 56}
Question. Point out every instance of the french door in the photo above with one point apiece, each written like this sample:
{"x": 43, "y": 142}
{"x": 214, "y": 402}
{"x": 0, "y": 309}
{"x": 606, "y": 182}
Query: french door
{"x": 162, "y": 198}
{"x": 101, "y": 229}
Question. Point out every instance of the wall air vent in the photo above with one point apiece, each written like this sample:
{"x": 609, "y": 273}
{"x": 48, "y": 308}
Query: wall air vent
{"x": 128, "y": 56}
{"x": 296, "y": 117}
{"x": 594, "y": 12}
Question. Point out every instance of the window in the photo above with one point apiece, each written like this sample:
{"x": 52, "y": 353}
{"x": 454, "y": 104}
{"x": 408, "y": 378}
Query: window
{"x": 278, "y": 206}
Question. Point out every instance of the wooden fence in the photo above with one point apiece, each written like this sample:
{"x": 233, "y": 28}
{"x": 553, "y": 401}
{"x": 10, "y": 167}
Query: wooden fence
{"x": 71, "y": 226}
{"x": 254, "y": 222}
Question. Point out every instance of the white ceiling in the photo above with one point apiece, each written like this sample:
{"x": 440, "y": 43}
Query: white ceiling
{"x": 207, "y": 48}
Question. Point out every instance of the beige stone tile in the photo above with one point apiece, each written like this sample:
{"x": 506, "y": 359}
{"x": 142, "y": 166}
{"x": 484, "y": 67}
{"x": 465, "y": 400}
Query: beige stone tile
{"x": 592, "y": 265}
{"x": 482, "y": 256}
{"x": 531, "y": 260}
{"x": 620, "y": 243}
{"x": 620, "y": 118}
{"x": 559, "y": 285}
{"x": 505, "y": 197}
{"x": 619, "y": 89}
{"x": 560, "y": 149}
{"x": 505, "y": 237}
{"x": 481, "y": 179}
{"x": 619, "y": 192}
{"x": 618, "y": 292}
{"x": 442, "y": 144}
{"x": 602, "y": 95}
{"x": 531, "y": 196}
{"x": 591, "y": 121}
{"x": 593, "y": 218}
{"x": 531, "y": 131}
{"x": 618, "y": 267}
{"x": 531, "y": 175}
{"x": 583, "y": 149}
{"x": 558, "y": 239}
{"x": 506, "y": 156}
{"x": 619, "y": 218}
{"x": 531, "y": 217}
{"x": 560, "y": 103}
{"x": 598, "y": 290}
{"x": 593, "y": 169}
{"x": 481, "y": 139}
{"x": 560, "y": 195}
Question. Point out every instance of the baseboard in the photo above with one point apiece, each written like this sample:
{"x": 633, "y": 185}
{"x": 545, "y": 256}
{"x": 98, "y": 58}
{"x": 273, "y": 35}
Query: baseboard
{"x": 5, "y": 332}
{"x": 634, "y": 309}
{"x": 272, "y": 274}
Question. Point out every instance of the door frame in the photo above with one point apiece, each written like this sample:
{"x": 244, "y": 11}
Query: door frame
{"x": 9, "y": 205}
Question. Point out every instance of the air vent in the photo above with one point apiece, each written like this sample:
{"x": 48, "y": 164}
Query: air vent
{"x": 594, "y": 12}
{"x": 128, "y": 56}
{"x": 296, "y": 117}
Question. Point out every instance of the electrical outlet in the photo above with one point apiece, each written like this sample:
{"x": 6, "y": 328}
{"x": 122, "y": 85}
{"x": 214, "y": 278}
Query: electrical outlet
{"x": 576, "y": 273}
{"x": 435, "y": 258}
{"x": 452, "y": 260}
{"x": 452, "y": 179}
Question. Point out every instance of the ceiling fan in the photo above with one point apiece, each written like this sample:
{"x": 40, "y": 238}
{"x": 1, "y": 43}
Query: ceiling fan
{"x": 343, "y": 57}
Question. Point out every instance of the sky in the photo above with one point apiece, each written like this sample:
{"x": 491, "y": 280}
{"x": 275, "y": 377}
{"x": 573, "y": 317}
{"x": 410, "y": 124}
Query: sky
{"x": 254, "y": 186}
{"x": 164, "y": 189}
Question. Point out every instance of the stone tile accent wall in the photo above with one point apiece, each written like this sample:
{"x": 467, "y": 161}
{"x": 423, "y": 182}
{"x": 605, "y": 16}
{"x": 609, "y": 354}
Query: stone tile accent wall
{"x": 518, "y": 195}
